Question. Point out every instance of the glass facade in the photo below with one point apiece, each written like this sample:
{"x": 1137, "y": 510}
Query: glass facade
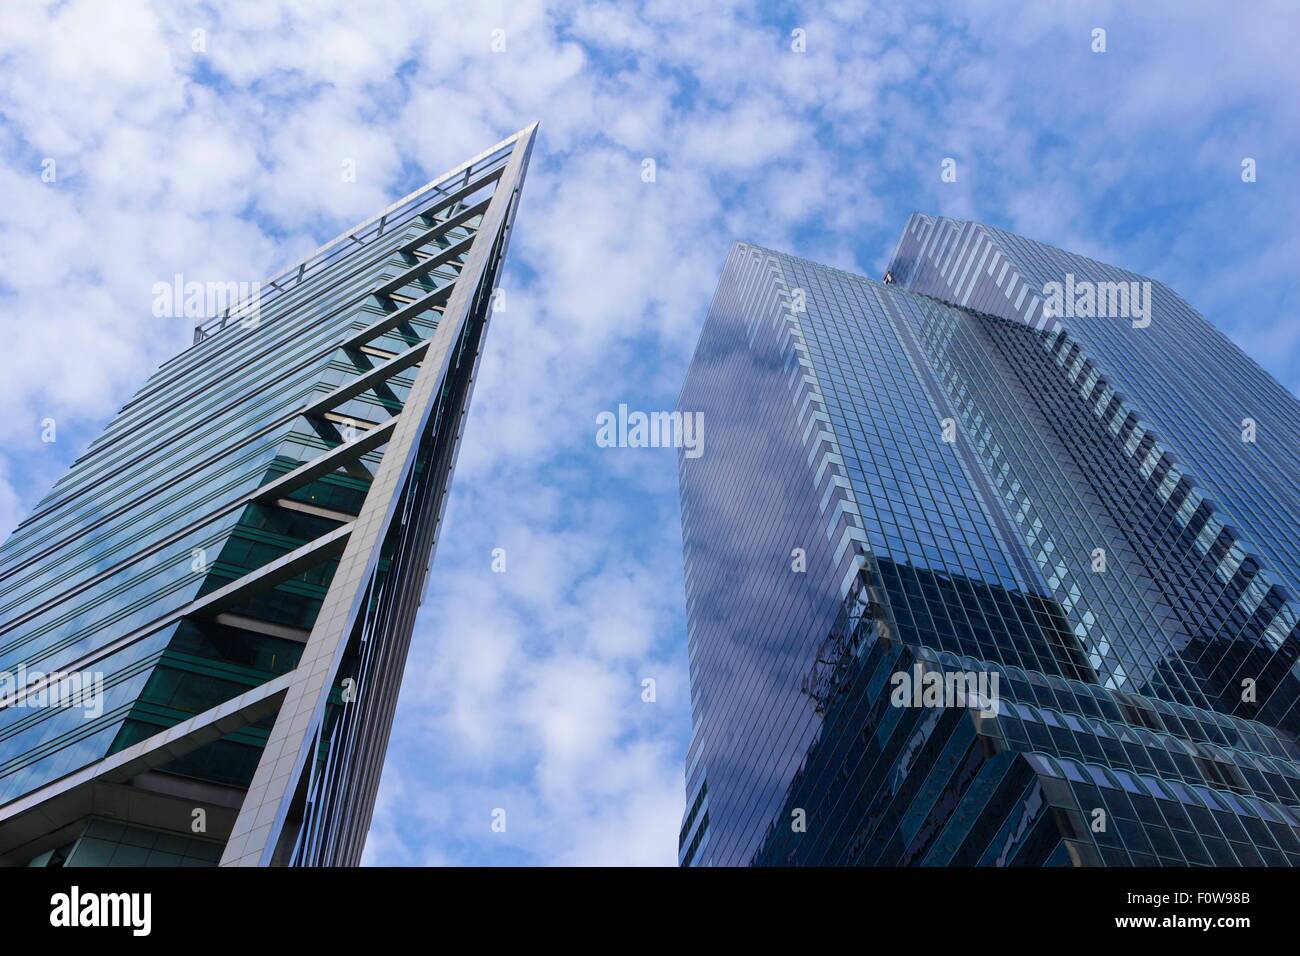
{"x": 1008, "y": 468}
{"x": 233, "y": 566}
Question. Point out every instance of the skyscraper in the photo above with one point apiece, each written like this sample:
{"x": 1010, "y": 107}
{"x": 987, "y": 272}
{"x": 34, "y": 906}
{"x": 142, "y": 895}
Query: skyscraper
{"x": 203, "y": 626}
{"x": 994, "y": 562}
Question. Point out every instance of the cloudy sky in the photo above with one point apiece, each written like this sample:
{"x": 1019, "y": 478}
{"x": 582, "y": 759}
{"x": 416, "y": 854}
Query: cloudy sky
{"x": 223, "y": 163}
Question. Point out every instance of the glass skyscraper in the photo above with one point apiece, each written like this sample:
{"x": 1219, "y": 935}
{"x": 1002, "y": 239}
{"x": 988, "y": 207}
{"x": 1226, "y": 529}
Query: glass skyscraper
{"x": 1006, "y": 468}
{"x": 203, "y": 626}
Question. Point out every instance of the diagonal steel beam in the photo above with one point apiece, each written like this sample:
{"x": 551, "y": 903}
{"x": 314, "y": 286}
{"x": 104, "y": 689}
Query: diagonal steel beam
{"x": 444, "y": 225}
{"x": 281, "y": 569}
{"x": 319, "y": 466}
{"x": 56, "y": 804}
{"x": 426, "y": 265}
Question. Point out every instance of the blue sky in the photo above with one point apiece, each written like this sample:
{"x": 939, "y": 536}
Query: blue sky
{"x": 523, "y": 691}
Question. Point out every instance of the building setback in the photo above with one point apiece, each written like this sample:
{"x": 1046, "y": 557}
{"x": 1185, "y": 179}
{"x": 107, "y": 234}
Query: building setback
{"x": 1005, "y": 464}
{"x": 236, "y": 562}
